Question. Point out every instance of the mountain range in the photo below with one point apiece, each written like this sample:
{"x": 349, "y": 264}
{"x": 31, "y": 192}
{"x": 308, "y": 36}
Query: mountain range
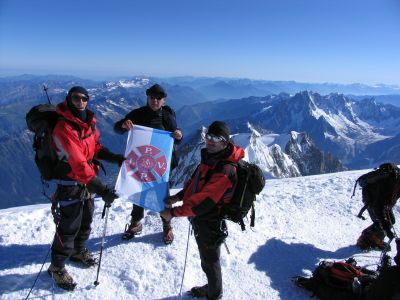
{"x": 349, "y": 129}
{"x": 290, "y": 134}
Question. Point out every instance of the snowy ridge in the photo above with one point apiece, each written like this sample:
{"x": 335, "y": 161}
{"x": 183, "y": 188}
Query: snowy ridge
{"x": 131, "y": 83}
{"x": 272, "y": 160}
{"x": 286, "y": 155}
{"x": 299, "y": 221}
{"x": 336, "y": 123}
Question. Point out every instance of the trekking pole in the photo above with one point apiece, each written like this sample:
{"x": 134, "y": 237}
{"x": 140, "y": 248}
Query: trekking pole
{"x": 40, "y": 271}
{"x": 226, "y": 248}
{"x": 45, "y": 88}
{"x": 41, "y": 268}
{"x": 105, "y": 210}
{"x": 184, "y": 266}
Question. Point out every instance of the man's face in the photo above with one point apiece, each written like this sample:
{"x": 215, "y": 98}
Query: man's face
{"x": 214, "y": 144}
{"x": 79, "y": 100}
{"x": 155, "y": 102}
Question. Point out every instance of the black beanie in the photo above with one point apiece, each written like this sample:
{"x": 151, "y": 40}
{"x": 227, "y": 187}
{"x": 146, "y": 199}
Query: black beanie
{"x": 219, "y": 128}
{"x": 82, "y": 115}
{"x": 77, "y": 89}
{"x": 156, "y": 90}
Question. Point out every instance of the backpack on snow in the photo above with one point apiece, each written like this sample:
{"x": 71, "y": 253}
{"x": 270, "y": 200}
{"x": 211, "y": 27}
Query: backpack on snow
{"x": 250, "y": 182}
{"x": 342, "y": 280}
{"x": 368, "y": 180}
{"x": 41, "y": 120}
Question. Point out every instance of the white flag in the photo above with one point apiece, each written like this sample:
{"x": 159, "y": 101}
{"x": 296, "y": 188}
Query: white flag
{"x": 143, "y": 177}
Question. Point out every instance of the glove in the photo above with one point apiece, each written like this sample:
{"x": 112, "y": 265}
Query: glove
{"x": 117, "y": 159}
{"x": 107, "y": 194}
{"x": 111, "y": 157}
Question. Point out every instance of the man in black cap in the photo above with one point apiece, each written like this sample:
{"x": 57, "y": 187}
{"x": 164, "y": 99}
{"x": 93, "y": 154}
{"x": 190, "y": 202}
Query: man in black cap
{"x": 76, "y": 142}
{"x": 212, "y": 183}
{"x": 159, "y": 116}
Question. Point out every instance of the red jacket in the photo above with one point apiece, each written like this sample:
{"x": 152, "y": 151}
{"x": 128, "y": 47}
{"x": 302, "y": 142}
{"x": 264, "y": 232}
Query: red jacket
{"x": 77, "y": 152}
{"x": 202, "y": 197}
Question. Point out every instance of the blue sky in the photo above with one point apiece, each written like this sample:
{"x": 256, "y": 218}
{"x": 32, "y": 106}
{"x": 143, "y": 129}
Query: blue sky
{"x": 341, "y": 41}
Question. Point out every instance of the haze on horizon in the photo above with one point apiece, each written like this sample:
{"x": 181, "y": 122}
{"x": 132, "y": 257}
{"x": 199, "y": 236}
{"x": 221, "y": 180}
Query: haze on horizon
{"x": 306, "y": 41}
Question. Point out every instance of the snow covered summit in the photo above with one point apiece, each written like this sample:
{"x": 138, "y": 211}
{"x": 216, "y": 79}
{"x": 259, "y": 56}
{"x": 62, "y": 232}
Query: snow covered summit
{"x": 299, "y": 221}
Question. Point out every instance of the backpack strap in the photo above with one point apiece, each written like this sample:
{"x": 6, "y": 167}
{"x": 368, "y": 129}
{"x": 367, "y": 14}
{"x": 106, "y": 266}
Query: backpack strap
{"x": 354, "y": 190}
{"x": 219, "y": 165}
{"x": 81, "y": 138}
{"x": 230, "y": 193}
{"x": 253, "y": 215}
{"x": 360, "y": 213}
{"x": 78, "y": 129}
{"x": 210, "y": 172}
{"x": 196, "y": 180}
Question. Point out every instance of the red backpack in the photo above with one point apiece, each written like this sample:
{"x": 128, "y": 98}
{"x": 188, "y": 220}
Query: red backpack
{"x": 342, "y": 280}
{"x": 339, "y": 274}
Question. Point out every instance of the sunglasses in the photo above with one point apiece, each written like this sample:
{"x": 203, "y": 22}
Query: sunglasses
{"x": 77, "y": 98}
{"x": 213, "y": 138}
{"x": 158, "y": 98}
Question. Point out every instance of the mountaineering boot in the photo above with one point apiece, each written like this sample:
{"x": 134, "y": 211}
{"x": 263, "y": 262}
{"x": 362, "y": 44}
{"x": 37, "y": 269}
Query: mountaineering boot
{"x": 366, "y": 242}
{"x": 61, "y": 278}
{"x": 199, "y": 291}
{"x": 202, "y": 292}
{"x": 84, "y": 256}
{"x": 135, "y": 228}
{"x": 168, "y": 235}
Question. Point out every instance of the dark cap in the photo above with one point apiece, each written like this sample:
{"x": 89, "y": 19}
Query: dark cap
{"x": 219, "y": 128}
{"x": 156, "y": 90}
{"x": 77, "y": 89}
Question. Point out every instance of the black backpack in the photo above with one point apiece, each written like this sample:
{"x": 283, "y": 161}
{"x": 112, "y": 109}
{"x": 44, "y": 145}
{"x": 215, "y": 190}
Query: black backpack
{"x": 41, "y": 120}
{"x": 250, "y": 182}
{"x": 341, "y": 280}
{"x": 369, "y": 180}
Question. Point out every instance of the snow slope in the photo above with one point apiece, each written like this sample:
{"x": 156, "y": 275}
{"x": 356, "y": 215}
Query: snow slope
{"x": 299, "y": 222}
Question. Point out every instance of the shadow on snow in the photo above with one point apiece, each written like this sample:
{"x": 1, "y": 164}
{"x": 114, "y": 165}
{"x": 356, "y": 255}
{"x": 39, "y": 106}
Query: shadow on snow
{"x": 16, "y": 256}
{"x": 281, "y": 261}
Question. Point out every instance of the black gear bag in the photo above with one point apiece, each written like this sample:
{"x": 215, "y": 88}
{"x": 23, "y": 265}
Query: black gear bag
{"x": 41, "y": 120}
{"x": 250, "y": 182}
{"x": 381, "y": 175}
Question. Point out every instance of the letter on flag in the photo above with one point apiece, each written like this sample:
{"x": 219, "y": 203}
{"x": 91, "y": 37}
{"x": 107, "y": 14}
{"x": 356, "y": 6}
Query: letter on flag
{"x": 143, "y": 177}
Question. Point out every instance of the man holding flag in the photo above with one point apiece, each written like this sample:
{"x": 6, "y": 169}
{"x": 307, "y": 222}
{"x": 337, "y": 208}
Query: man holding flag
{"x": 146, "y": 164}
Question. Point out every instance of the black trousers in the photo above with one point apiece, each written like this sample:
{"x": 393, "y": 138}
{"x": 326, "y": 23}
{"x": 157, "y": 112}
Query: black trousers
{"x": 377, "y": 228}
{"x": 137, "y": 215}
{"x": 76, "y": 207}
{"x": 209, "y": 237}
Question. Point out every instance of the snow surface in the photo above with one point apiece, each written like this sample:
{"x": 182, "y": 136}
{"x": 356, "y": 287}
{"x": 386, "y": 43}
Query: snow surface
{"x": 299, "y": 221}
